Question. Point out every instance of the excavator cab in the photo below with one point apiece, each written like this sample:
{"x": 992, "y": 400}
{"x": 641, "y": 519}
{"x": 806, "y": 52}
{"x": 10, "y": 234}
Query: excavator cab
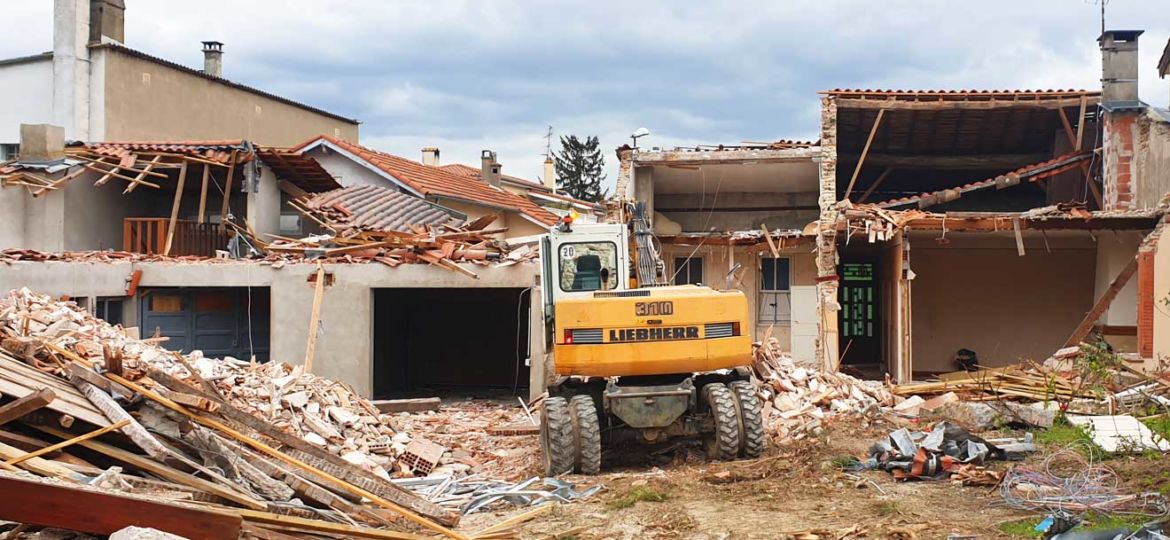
{"x": 637, "y": 360}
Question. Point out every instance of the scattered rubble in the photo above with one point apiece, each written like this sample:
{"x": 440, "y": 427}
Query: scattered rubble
{"x": 798, "y": 399}
{"x": 268, "y": 444}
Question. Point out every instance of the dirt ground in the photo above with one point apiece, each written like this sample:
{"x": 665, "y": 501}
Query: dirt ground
{"x": 792, "y": 489}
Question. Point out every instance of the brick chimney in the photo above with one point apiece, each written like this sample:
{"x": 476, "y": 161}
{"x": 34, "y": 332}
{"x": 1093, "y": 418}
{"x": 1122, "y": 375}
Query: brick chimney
{"x": 107, "y": 21}
{"x": 550, "y": 174}
{"x": 1119, "y": 66}
{"x": 213, "y": 58}
{"x": 489, "y": 168}
{"x": 430, "y": 156}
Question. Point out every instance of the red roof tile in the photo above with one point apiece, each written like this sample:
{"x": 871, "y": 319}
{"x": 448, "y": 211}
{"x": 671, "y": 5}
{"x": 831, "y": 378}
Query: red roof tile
{"x": 438, "y": 181}
{"x": 472, "y": 172}
{"x": 1030, "y": 173}
{"x": 381, "y": 208}
{"x": 219, "y": 151}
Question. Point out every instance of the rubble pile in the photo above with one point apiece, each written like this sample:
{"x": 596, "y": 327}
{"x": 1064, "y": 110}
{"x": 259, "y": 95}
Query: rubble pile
{"x": 799, "y": 398}
{"x": 266, "y": 444}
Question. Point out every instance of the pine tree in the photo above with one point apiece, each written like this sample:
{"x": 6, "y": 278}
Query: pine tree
{"x": 579, "y": 165}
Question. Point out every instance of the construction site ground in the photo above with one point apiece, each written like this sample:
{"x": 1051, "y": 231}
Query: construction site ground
{"x": 794, "y": 489}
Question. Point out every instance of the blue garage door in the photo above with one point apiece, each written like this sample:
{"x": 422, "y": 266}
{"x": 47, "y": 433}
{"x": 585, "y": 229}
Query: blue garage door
{"x": 218, "y": 321}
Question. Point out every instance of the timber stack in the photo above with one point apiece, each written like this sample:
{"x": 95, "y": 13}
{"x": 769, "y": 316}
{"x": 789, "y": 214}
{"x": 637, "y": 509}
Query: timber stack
{"x": 194, "y": 446}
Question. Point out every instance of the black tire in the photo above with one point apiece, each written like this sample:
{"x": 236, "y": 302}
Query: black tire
{"x": 724, "y": 443}
{"x": 588, "y": 434}
{"x": 556, "y": 436}
{"x": 751, "y": 418}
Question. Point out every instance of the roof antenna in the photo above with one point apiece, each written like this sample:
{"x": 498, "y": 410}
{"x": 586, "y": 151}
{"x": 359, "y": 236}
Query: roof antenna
{"x": 548, "y": 143}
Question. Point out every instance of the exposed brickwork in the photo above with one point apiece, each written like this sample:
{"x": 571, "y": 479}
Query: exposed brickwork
{"x": 1118, "y": 166}
{"x": 827, "y": 305}
{"x": 1145, "y": 318}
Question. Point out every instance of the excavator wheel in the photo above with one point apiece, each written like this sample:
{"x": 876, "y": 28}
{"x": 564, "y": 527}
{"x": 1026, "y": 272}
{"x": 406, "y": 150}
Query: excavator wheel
{"x": 556, "y": 437}
{"x": 751, "y": 417}
{"x": 724, "y": 443}
{"x": 588, "y": 434}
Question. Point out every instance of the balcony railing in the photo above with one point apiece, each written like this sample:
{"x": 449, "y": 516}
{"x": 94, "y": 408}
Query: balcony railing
{"x": 149, "y": 236}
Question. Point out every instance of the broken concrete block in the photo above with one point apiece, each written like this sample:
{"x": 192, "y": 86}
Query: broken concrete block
{"x": 936, "y": 402}
{"x": 973, "y": 415}
{"x": 910, "y": 406}
{"x": 1039, "y": 414}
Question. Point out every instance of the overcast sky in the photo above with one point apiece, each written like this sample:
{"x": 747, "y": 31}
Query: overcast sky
{"x": 465, "y": 76}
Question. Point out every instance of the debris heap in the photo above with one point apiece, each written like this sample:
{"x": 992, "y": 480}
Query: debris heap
{"x": 799, "y": 398}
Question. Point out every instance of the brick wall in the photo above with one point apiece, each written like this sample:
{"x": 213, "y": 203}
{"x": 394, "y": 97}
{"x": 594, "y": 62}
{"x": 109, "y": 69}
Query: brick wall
{"x": 1146, "y": 299}
{"x": 1118, "y": 167}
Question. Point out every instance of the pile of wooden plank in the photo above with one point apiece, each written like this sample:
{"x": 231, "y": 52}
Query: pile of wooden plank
{"x": 194, "y": 446}
{"x": 1011, "y": 382}
{"x": 799, "y": 398}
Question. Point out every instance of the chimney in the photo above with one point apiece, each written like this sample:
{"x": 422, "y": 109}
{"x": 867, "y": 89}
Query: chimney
{"x": 489, "y": 168}
{"x": 107, "y": 21}
{"x": 550, "y": 174}
{"x": 1119, "y": 66}
{"x": 41, "y": 143}
{"x": 430, "y": 156}
{"x": 213, "y": 58}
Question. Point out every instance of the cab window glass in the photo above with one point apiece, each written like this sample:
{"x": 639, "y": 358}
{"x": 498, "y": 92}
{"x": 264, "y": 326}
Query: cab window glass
{"x": 587, "y": 266}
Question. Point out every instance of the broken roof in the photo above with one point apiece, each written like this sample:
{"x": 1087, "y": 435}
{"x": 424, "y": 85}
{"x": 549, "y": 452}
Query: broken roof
{"x": 378, "y": 208}
{"x": 995, "y": 97}
{"x": 429, "y": 181}
{"x": 199, "y": 73}
{"x": 1164, "y": 61}
{"x": 535, "y": 189}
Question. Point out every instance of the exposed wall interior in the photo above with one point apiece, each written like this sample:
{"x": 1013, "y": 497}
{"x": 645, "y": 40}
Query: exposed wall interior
{"x": 976, "y": 292}
{"x": 1115, "y": 250}
{"x": 1161, "y": 310}
{"x": 460, "y": 340}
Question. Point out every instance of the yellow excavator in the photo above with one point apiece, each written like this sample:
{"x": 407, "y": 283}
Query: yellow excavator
{"x": 637, "y": 360}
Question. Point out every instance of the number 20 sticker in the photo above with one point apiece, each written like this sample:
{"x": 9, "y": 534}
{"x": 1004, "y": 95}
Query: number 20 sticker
{"x": 568, "y": 252}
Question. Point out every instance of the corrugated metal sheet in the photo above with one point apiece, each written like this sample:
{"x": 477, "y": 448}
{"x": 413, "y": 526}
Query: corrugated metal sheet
{"x": 380, "y": 208}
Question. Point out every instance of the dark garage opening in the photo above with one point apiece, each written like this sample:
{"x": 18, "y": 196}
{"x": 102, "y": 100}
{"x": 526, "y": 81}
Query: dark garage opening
{"x": 455, "y": 341}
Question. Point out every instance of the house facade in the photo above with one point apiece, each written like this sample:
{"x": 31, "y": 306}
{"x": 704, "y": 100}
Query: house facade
{"x": 98, "y": 89}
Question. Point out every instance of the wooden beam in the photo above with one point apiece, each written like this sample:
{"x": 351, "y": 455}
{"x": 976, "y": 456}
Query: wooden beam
{"x": 1068, "y": 130}
{"x": 314, "y": 319}
{"x": 876, "y": 184}
{"x": 203, "y": 194}
{"x": 315, "y": 525}
{"x": 163, "y": 471}
{"x": 256, "y": 444}
{"x": 102, "y": 512}
{"x": 877, "y": 122}
{"x": 115, "y": 174}
{"x": 407, "y": 405}
{"x": 101, "y": 161}
{"x": 227, "y": 189}
{"x": 771, "y": 244}
{"x": 175, "y": 209}
{"x": 1102, "y": 304}
{"x": 26, "y": 404}
{"x": 95, "y": 433}
{"x": 925, "y": 161}
{"x": 58, "y": 182}
{"x": 1081, "y": 123}
{"x": 318, "y": 456}
{"x": 140, "y": 179}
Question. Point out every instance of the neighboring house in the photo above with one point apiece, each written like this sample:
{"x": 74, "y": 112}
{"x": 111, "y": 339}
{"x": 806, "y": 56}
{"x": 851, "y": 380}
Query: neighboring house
{"x": 385, "y": 331}
{"x": 710, "y": 208}
{"x": 543, "y": 194}
{"x": 98, "y": 89}
{"x": 353, "y": 164}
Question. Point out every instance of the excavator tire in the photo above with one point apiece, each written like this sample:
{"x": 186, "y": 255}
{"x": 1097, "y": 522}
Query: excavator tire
{"x": 556, "y": 437}
{"x": 724, "y": 443}
{"x": 588, "y": 434}
{"x": 751, "y": 417}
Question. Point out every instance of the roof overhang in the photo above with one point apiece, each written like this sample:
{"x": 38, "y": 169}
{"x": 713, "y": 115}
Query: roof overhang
{"x": 323, "y": 142}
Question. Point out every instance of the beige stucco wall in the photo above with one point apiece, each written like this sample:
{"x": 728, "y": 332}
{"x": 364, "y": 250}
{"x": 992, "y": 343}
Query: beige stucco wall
{"x": 1152, "y": 161}
{"x": 795, "y": 337}
{"x": 1115, "y": 250}
{"x": 148, "y": 101}
{"x": 1162, "y": 297}
{"x": 977, "y": 293}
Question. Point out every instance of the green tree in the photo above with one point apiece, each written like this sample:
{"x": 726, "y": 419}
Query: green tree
{"x": 579, "y": 165}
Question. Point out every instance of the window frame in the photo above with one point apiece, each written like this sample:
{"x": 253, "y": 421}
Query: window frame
{"x": 688, "y": 262}
{"x": 612, "y": 271}
{"x": 769, "y": 296}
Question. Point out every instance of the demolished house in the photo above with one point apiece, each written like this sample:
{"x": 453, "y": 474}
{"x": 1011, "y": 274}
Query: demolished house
{"x": 238, "y": 250}
{"x": 733, "y": 217}
{"x": 991, "y": 227}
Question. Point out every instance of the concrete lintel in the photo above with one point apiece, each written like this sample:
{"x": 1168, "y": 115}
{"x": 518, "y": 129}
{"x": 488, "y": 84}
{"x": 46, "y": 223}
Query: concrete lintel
{"x": 732, "y": 156}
